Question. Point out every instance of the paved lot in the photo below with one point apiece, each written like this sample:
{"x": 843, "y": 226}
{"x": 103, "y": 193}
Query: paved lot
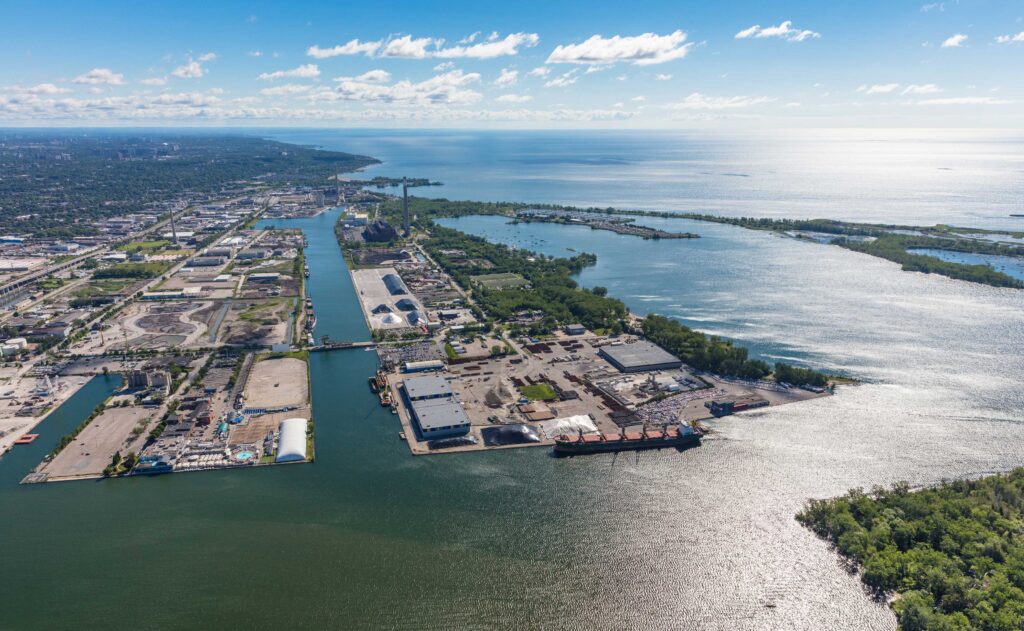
{"x": 372, "y": 292}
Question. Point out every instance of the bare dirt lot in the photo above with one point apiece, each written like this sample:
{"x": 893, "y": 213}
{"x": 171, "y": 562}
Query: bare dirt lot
{"x": 277, "y": 383}
{"x": 95, "y": 446}
{"x": 256, "y": 322}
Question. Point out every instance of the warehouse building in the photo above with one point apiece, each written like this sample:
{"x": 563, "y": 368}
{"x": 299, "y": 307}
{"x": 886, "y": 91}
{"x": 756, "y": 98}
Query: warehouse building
{"x": 427, "y": 387}
{"x": 639, "y": 356}
{"x": 436, "y": 412}
{"x": 440, "y": 418}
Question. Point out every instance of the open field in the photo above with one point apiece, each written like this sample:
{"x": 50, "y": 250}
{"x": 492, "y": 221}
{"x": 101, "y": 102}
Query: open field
{"x": 499, "y": 281}
{"x": 277, "y": 383}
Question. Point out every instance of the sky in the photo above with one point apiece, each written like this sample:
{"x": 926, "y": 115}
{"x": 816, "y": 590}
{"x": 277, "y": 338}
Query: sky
{"x": 521, "y": 64}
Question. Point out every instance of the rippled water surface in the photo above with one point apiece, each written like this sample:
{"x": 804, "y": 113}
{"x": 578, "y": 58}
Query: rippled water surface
{"x": 369, "y": 536}
{"x": 967, "y": 178}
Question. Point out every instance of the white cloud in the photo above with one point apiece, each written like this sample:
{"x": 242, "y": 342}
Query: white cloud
{"x": 305, "y": 71}
{"x": 513, "y": 98}
{"x": 698, "y": 101}
{"x": 100, "y": 76}
{"x": 469, "y": 39}
{"x": 353, "y": 47}
{"x": 1007, "y": 39}
{"x": 207, "y": 57}
{"x": 444, "y": 65}
{"x": 43, "y": 88}
{"x": 154, "y": 81}
{"x": 443, "y": 89}
{"x": 925, "y": 88}
{"x": 255, "y": 53}
{"x": 965, "y": 100}
{"x": 955, "y": 41}
{"x": 934, "y": 6}
{"x": 409, "y": 47}
{"x": 191, "y": 70}
{"x": 288, "y": 88}
{"x": 784, "y": 31}
{"x": 663, "y": 77}
{"x": 562, "y": 80}
{"x": 507, "y": 78}
{"x": 375, "y": 76}
{"x": 640, "y": 50}
{"x": 879, "y": 88}
{"x": 638, "y": 99}
{"x": 492, "y": 48}
{"x": 539, "y": 71}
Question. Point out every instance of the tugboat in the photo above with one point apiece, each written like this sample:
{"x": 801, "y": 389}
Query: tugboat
{"x": 675, "y": 436}
{"x": 305, "y": 271}
{"x": 378, "y": 382}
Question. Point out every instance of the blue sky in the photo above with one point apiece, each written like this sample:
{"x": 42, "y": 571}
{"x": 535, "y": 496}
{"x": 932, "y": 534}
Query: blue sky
{"x": 515, "y": 64}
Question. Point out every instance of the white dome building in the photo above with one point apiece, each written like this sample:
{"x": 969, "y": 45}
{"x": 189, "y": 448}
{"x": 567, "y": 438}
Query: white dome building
{"x": 291, "y": 441}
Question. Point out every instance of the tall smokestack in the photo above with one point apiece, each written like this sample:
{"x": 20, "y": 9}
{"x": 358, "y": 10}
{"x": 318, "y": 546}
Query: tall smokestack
{"x": 174, "y": 233}
{"x": 405, "y": 207}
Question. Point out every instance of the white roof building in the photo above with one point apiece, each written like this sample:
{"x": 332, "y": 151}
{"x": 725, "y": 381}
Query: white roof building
{"x": 291, "y": 442}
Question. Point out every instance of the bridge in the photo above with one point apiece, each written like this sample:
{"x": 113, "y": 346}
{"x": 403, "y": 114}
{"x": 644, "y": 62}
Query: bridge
{"x": 340, "y": 345}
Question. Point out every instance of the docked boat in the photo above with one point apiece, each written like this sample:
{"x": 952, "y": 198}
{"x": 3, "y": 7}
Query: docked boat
{"x": 678, "y": 436}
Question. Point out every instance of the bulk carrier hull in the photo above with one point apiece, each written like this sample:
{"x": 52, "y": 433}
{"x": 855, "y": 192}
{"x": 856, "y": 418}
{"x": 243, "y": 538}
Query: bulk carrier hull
{"x": 680, "y": 438}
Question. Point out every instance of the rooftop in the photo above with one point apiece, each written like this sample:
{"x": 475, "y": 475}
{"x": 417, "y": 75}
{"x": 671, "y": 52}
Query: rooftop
{"x": 427, "y": 386}
{"x": 639, "y": 354}
{"x": 434, "y": 414}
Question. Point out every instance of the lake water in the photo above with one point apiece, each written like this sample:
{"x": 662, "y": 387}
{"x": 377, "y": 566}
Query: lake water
{"x": 1009, "y": 265}
{"x": 369, "y": 536}
{"x": 924, "y": 177}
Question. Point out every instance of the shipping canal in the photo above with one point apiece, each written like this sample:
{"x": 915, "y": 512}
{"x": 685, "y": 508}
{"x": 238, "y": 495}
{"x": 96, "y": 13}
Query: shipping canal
{"x": 371, "y": 536}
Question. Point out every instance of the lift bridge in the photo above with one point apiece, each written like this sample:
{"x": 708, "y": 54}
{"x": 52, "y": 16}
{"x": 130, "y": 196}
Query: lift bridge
{"x": 327, "y": 344}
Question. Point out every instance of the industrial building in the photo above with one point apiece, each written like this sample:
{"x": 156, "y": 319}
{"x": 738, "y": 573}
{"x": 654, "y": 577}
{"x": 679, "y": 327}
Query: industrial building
{"x": 725, "y": 407}
{"x": 427, "y": 387}
{"x": 291, "y": 441}
{"x": 440, "y": 418}
{"x": 437, "y": 413}
{"x": 639, "y": 356}
{"x": 394, "y": 284}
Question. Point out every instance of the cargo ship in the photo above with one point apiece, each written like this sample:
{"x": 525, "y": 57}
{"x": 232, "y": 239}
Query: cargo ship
{"x": 679, "y": 436}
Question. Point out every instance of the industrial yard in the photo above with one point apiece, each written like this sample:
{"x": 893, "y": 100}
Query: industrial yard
{"x": 547, "y": 389}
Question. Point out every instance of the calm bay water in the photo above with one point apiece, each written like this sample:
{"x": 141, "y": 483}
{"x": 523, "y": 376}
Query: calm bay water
{"x": 369, "y": 536}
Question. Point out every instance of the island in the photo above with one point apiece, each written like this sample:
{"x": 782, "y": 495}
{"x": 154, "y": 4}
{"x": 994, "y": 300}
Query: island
{"x": 948, "y": 557}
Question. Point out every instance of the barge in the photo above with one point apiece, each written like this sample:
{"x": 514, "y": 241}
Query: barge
{"x": 680, "y": 436}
